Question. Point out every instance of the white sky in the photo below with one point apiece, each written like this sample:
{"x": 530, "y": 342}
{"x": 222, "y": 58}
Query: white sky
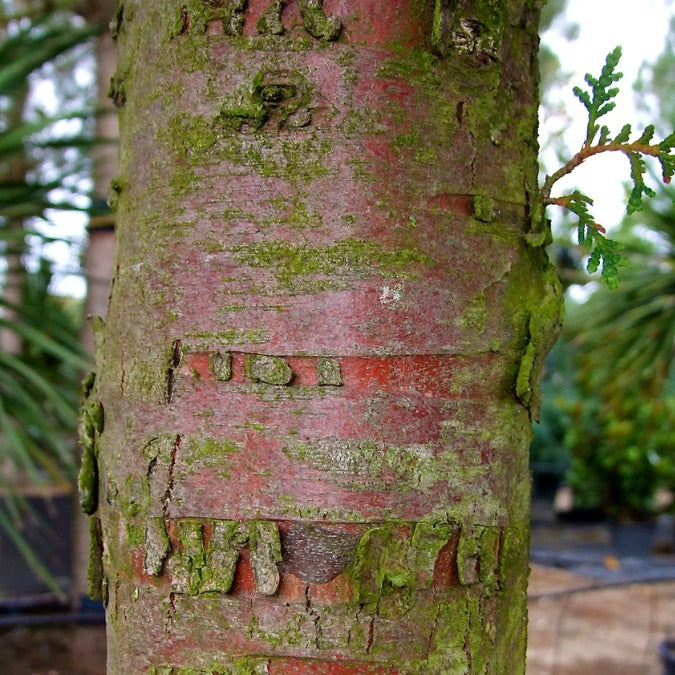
{"x": 639, "y": 26}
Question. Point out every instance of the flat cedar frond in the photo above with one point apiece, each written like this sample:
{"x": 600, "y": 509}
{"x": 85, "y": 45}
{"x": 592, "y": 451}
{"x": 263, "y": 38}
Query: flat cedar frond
{"x": 605, "y": 254}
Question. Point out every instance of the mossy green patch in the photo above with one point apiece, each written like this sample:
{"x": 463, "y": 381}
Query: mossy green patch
{"x": 477, "y": 555}
{"x": 484, "y": 208}
{"x": 543, "y": 327}
{"x": 134, "y": 500}
{"x": 447, "y": 653}
{"x": 270, "y": 21}
{"x": 201, "y": 140}
{"x": 233, "y": 336}
{"x": 391, "y": 566}
{"x": 205, "y": 451}
{"x": 186, "y": 565}
{"x": 473, "y": 33}
{"x": 222, "y": 555}
{"x": 371, "y": 465}
{"x": 268, "y": 369}
{"x": 265, "y": 547}
{"x": 474, "y": 316}
{"x": 221, "y": 366}
{"x": 244, "y": 665}
{"x": 328, "y": 372}
{"x": 87, "y": 480}
{"x": 317, "y": 23}
{"x": 190, "y": 135}
{"x": 95, "y": 559}
{"x": 290, "y": 263}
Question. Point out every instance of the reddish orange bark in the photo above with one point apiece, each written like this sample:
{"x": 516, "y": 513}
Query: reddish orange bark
{"x": 325, "y": 334}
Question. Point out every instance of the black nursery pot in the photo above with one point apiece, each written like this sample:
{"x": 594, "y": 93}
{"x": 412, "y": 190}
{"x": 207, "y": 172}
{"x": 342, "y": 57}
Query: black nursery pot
{"x": 48, "y": 531}
{"x": 632, "y": 540}
{"x": 667, "y": 653}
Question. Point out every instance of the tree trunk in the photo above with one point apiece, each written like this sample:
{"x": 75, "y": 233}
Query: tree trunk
{"x": 325, "y": 336}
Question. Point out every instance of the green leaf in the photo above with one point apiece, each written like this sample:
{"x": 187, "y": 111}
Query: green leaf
{"x": 624, "y": 134}
{"x": 47, "y": 344}
{"x": 64, "y": 412}
{"x": 598, "y": 102}
{"x": 637, "y": 168}
{"x": 14, "y": 139}
{"x": 34, "y": 46}
{"x": 647, "y": 134}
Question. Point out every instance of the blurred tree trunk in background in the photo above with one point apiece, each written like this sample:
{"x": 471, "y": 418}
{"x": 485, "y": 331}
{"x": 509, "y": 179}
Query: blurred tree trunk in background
{"x": 14, "y": 171}
{"x": 308, "y": 438}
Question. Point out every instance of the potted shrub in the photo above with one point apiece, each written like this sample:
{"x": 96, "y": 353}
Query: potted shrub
{"x": 621, "y": 344}
{"x": 621, "y": 456}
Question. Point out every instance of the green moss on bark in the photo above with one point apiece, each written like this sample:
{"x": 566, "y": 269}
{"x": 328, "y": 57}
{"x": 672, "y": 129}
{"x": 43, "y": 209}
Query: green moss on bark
{"x": 268, "y": 369}
{"x": 95, "y": 559}
{"x": 396, "y": 561}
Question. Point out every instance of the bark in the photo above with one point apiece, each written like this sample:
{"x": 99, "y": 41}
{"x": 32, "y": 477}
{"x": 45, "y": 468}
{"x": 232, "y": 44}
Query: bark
{"x": 308, "y": 439}
{"x": 100, "y": 251}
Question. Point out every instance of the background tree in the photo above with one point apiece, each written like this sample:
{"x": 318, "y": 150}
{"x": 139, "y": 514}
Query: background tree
{"x": 295, "y": 468}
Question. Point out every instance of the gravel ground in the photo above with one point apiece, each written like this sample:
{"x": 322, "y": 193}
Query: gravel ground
{"x": 613, "y": 630}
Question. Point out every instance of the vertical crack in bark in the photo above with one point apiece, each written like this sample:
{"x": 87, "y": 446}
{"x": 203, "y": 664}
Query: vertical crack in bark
{"x": 171, "y": 612}
{"x": 174, "y": 362}
{"x": 371, "y": 634}
{"x": 498, "y": 558}
{"x": 147, "y": 451}
{"x": 467, "y": 638}
{"x": 151, "y": 468}
{"x": 169, "y": 484}
{"x": 185, "y": 20}
{"x": 315, "y": 616}
{"x": 432, "y": 632}
{"x": 472, "y": 161}
{"x": 117, "y": 595}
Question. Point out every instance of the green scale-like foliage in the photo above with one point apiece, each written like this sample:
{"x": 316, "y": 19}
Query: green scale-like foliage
{"x": 604, "y": 253}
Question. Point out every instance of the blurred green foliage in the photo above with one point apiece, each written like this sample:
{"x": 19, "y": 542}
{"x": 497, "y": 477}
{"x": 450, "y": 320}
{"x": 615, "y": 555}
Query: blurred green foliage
{"x": 609, "y": 391}
{"x": 42, "y": 361}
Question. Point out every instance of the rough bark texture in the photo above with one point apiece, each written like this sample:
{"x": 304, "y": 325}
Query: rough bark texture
{"x": 99, "y": 254}
{"x": 324, "y": 340}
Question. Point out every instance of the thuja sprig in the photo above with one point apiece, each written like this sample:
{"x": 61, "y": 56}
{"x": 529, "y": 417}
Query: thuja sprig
{"x": 604, "y": 253}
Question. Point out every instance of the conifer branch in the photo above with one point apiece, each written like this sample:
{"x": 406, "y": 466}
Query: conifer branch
{"x": 604, "y": 253}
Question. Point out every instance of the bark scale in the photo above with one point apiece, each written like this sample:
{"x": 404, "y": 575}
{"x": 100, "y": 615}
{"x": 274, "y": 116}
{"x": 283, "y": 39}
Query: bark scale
{"x": 308, "y": 437}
